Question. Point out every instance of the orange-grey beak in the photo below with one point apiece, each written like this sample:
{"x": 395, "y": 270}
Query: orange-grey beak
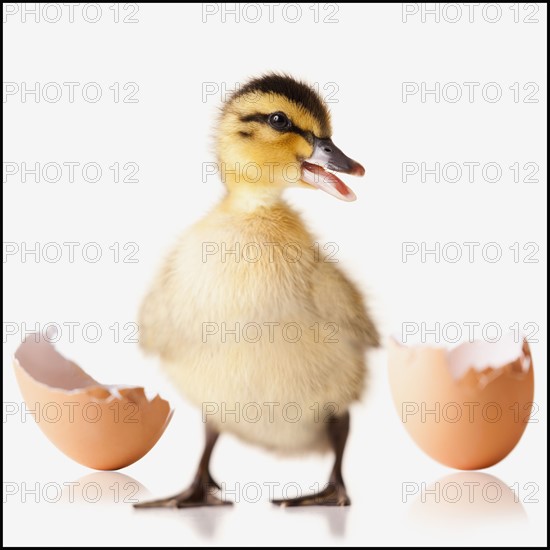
{"x": 326, "y": 156}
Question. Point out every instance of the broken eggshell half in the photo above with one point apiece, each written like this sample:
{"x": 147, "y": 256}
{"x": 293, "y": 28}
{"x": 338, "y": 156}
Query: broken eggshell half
{"x": 466, "y": 407}
{"x": 104, "y": 427}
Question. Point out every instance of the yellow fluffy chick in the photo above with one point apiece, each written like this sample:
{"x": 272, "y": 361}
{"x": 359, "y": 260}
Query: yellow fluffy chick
{"x": 253, "y": 323}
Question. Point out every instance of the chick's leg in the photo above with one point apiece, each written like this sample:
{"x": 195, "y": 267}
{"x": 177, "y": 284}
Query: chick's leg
{"x": 202, "y": 489}
{"x": 334, "y": 494}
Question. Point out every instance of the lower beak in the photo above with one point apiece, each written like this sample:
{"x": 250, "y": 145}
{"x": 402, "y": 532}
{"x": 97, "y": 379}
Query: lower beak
{"x": 326, "y": 156}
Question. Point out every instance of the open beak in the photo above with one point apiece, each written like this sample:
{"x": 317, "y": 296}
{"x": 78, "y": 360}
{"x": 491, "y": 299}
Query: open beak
{"x": 326, "y": 156}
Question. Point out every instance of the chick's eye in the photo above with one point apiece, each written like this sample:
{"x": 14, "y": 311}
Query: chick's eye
{"x": 279, "y": 121}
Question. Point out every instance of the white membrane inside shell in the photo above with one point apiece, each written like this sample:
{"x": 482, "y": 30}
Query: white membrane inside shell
{"x": 479, "y": 354}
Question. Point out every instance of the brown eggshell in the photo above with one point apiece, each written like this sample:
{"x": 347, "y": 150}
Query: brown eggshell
{"x": 466, "y": 408}
{"x": 100, "y": 426}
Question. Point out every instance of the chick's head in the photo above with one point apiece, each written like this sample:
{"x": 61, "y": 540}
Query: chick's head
{"x": 275, "y": 132}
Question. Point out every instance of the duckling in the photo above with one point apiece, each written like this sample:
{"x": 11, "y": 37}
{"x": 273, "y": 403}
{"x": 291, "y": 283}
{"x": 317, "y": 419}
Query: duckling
{"x": 254, "y": 326}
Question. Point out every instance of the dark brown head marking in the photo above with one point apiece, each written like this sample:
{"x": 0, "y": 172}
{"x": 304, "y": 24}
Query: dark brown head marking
{"x": 298, "y": 92}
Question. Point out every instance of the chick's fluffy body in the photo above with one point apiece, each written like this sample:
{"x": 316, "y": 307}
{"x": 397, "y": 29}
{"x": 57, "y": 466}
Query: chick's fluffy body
{"x": 285, "y": 383}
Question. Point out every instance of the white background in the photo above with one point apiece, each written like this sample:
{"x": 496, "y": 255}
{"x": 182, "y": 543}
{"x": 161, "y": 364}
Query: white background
{"x": 365, "y": 56}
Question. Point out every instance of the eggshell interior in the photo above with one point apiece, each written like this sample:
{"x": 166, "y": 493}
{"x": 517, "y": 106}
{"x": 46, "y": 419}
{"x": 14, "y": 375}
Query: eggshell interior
{"x": 467, "y": 407}
{"x": 105, "y": 427}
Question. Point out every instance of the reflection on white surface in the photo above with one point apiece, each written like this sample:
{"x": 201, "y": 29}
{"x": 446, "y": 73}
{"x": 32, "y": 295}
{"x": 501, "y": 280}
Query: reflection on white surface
{"x": 105, "y": 488}
{"x": 336, "y": 517}
{"x": 205, "y": 522}
{"x": 465, "y": 498}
